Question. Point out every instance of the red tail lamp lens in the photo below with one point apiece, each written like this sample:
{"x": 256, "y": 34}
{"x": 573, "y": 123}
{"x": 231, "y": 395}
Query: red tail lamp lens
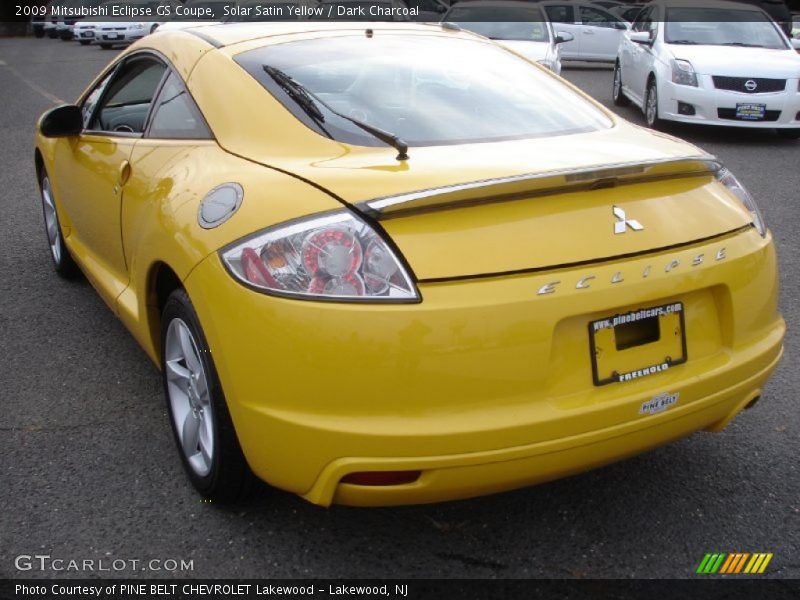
{"x": 381, "y": 478}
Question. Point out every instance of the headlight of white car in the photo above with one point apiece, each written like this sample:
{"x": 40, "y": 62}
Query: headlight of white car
{"x": 335, "y": 256}
{"x": 683, "y": 72}
{"x": 726, "y": 178}
{"x": 138, "y": 26}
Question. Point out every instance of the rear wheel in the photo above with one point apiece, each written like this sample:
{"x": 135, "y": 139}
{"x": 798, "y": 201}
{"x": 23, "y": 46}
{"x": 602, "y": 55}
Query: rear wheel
{"x": 62, "y": 261}
{"x": 619, "y": 98}
{"x": 201, "y": 423}
{"x": 651, "y": 106}
{"x": 788, "y": 134}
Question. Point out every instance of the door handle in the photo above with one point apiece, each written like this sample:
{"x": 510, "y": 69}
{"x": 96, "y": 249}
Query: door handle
{"x": 124, "y": 172}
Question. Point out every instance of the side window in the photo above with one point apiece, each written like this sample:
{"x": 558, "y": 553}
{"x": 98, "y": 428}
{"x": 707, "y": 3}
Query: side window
{"x": 87, "y": 108}
{"x": 125, "y": 105}
{"x": 597, "y": 18}
{"x": 560, "y": 14}
{"x": 643, "y": 20}
{"x": 176, "y": 116}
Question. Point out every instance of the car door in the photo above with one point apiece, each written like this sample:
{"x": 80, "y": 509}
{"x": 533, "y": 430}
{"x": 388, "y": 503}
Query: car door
{"x": 600, "y": 33}
{"x": 94, "y": 167}
{"x": 562, "y": 16}
{"x": 641, "y": 56}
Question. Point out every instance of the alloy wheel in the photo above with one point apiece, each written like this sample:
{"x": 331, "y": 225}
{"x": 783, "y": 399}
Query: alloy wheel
{"x": 189, "y": 397}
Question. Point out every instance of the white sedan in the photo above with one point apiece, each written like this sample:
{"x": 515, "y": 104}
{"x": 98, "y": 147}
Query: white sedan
{"x": 722, "y": 63}
{"x": 596, "y": 33}
{"x": 526, "y": 29}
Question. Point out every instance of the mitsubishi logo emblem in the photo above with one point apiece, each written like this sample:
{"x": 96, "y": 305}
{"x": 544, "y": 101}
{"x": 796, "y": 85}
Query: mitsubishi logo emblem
{"x": 750, "y": 85}
{"x": 623, "y": 222}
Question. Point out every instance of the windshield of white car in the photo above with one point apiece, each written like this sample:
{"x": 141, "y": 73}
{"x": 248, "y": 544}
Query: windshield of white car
{"x": 521, "y": 23}
{"x": 722, "y": 27}
{"x": 427, "y": 90}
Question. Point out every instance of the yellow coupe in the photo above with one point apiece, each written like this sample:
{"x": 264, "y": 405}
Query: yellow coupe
{"x": 396, "y": 263}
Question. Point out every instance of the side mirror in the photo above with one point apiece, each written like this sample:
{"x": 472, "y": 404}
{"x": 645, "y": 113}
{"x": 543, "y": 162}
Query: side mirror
{"x": 563, "y": 36}
{"x": 62, "y": 121}
{"x": 621, "y": 25}
{"x": 640, "y": 37}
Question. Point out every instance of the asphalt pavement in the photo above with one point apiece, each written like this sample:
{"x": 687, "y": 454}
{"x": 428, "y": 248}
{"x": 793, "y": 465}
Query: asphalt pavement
{"x": 88, "y": 470}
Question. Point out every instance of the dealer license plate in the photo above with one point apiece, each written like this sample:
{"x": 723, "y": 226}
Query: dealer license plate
{"x": 629, "y": 346}
{"x": 751, "y": 112}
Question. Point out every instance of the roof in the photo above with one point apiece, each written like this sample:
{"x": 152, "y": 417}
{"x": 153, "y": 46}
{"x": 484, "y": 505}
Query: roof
{"x": 229, "y": 34}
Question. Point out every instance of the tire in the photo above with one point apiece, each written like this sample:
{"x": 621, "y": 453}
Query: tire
{"x": 788, "y": 134}
{"x": 105, "y": 46}
{"x": 617, "y": 95}
{"x": 211, "y": 455}
{"x": 63, "y": 262}
{"x": 84, "y": 42}
{"x": 651, "y": 106}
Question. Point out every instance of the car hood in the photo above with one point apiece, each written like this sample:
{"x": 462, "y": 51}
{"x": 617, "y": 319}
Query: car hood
{"x": 734, "y": 61}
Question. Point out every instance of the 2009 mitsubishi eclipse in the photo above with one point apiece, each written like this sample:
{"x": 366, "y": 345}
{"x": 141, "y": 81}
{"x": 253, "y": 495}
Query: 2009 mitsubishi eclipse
{"x": 371, "y": 278}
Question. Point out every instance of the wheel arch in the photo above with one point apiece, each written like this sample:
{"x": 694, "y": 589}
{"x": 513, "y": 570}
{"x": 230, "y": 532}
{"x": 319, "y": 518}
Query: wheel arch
{"x": 162, "y": 280}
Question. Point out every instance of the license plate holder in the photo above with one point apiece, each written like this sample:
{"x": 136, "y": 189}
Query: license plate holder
{"x": 112, "y": 36}
{"x": 748, "y": 111}
{"x": 625, "y": 348}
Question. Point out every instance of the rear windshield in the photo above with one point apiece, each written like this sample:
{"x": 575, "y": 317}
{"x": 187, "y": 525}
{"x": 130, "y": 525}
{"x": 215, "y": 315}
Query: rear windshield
{"x": 427, "y": 90}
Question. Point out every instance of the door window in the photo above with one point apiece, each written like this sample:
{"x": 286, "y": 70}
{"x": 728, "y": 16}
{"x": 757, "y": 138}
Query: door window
{"x": 126, "y": 104}
{"x": 89, "y": 104}
{"x": 597, "y": 18}
{"x": 560, "y": 13}
{"x": 176, "y": 115}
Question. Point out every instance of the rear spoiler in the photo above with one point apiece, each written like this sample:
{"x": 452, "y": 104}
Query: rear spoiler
{"x": 531, "y": 185}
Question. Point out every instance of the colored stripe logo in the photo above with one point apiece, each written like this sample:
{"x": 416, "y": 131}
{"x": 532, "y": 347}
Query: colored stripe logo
{"x": 734, "y": 563}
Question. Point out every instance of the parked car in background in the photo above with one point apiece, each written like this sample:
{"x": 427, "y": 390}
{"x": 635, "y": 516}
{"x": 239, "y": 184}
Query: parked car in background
{"x": 65, "y": 25}
{"x": 38, "y": 21}
{"x": 85, "y": 31}
{"x": 596, "y": 31}
{"x": 525, "y": 30}
{"x": 108, "y": 34}
{"x": 722, "y": 63}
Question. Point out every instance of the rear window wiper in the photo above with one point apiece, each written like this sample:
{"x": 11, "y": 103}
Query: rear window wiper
{"x": 307, "y": 102}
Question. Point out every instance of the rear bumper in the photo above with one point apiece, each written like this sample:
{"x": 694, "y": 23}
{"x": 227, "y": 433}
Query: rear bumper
{"x": 485, "y": 385}
{"x": 462, "y": 476}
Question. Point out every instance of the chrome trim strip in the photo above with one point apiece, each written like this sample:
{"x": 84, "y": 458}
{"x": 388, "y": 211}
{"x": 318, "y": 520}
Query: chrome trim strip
{"x": 609, "y": 174}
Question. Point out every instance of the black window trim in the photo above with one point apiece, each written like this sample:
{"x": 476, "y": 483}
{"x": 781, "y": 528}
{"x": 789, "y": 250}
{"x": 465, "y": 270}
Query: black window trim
{"x": 111, "y": 72}
{"x": 155, "y": 104}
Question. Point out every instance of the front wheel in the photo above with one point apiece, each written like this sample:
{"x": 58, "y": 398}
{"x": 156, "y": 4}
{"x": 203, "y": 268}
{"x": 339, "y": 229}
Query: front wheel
{"x": 651, "y": 106}
{"x": 619, "y": 98}
{"x": 62, "y": 261}
{"x": 788, "y": 134}
{"x": 201, "y": 423}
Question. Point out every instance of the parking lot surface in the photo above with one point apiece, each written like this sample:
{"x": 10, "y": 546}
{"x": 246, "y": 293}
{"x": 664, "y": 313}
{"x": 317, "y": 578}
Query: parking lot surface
{"x": 88, "y": 469}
